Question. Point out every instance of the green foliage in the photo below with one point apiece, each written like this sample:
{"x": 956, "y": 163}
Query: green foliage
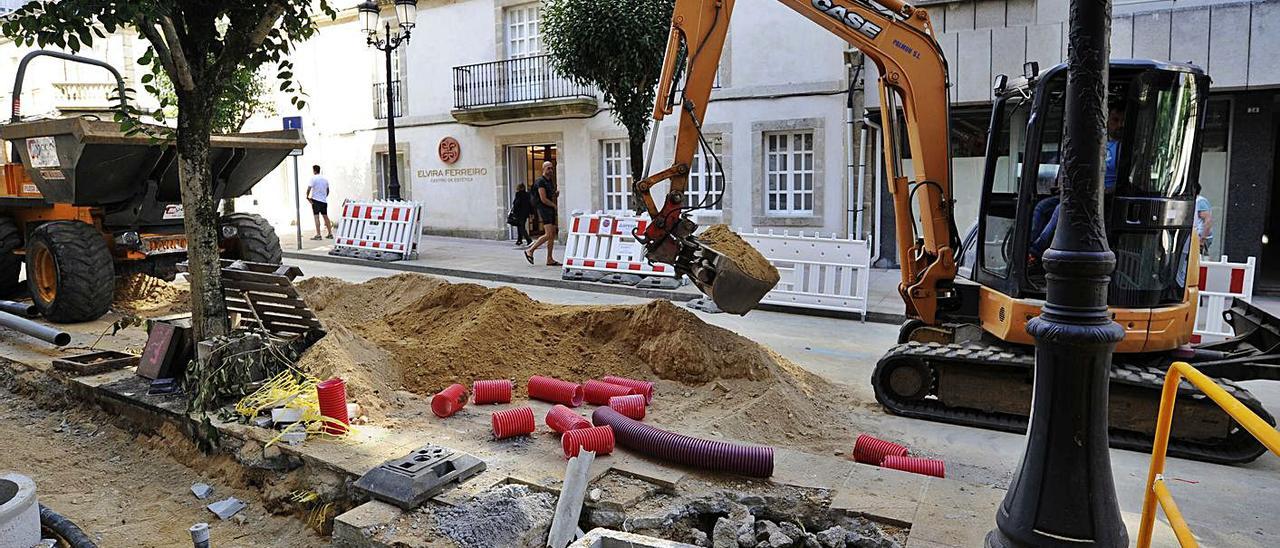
{"x": 213, "y": 50}
{"x": 616, "y": 46}
{"x": 249, "y": 94}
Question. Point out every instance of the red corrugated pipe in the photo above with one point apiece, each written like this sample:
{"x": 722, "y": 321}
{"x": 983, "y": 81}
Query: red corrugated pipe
{"x": 748, "y": 460}
{"x": 497, "y": 391}
{"x": 642, "y": 387}
{"x": 449, "y": 400}
{"x": 870, "y": 450}
{"x": 513, "y": 422}
{"x": 928, "y": 467}
{"x": 599, "y": 392}
{"x": 332, "y": 395}
{"x": 555, "y": 391}
{"x": 632, "y": 406}
{"x": 562, "y": 419}
{"x": 598, "y": 439}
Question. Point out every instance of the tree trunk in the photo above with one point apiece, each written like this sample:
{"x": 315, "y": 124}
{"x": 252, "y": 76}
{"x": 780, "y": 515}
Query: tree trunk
{"x": 636, "y": 144}
{"x": 200, "y": 215}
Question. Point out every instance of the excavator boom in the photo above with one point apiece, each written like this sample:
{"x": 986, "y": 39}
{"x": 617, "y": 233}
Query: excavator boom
{"x": 899, "y": 39}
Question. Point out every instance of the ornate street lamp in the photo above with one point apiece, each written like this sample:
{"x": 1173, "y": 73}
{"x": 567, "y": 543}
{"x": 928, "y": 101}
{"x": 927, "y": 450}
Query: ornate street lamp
{"x": 386, "y": 37}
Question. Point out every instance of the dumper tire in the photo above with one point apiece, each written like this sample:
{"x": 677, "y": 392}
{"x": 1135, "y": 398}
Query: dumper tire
{"x": 10, "y": 262}
{"x": 70, "y": 272}
{"x": 255, "y": 240}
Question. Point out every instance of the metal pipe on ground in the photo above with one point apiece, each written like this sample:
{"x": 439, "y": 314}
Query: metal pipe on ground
{"x": 26, "y": 310}
{"x": 51, "y": 335}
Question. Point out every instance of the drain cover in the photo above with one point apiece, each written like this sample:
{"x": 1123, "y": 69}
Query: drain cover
{"x": 411, "y": 480}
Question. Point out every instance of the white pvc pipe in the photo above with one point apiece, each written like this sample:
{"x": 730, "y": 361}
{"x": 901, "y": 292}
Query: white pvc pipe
{"x": 862, "y": 178}
{"x": 879, "y": 173}
{"x": 851, "y": 227}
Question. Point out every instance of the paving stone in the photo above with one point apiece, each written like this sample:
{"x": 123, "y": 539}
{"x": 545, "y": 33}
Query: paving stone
{"x": 806, "y": 470}
{"x": 954, "y": 513}
{"x": 888, "y": 495}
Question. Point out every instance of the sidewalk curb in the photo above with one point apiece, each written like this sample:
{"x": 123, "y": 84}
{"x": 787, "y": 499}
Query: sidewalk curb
{"x": 671, "y": 295}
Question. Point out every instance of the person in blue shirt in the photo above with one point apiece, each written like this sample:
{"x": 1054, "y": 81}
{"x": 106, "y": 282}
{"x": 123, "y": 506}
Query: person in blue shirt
{"x": 1037, "y": 247}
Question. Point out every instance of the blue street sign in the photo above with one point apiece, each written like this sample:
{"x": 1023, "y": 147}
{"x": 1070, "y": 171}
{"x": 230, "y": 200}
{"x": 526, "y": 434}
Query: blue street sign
{"x": 293, "y": 122}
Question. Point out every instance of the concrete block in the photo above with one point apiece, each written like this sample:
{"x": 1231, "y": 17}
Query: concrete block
{"x": 954, "y": 513}
{"x": 1020, "y": 13}
{"x": 806, "y": 470}
{"x": 201, "y": 490}
{"x": 1151, "y": 35}
{"x": 1264, "y": 42}
{"x": 1227, "y": 42}
{"x": 888, "y": 495}
{"x": 1188, "y": 39}
{"x": 958, "y": 16}
{"x": 973, "y": 80}
{"x": 356, "y": 527}
{"x": 988, "y": 14}
{"x": 1009, "y": 51}
{"x": 1044, "y": 45}
{"x": 1122, "y": 37}
{"x": 1051, "y": 11}
{"x": 650, "y": 471}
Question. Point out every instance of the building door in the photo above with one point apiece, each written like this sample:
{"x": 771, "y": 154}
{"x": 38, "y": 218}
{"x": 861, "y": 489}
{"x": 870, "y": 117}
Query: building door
{"x": 524, "y": 166}
{"x": 384, "y": 176}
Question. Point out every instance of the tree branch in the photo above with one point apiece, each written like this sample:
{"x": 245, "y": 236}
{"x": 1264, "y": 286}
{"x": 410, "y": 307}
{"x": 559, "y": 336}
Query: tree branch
{"x": 148, "y": 29}
{"x": 240, "y": 44}
{"x": 182, "y": 68}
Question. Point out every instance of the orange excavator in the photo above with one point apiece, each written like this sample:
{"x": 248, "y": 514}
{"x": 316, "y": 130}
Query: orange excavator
{"x": 964, "y": 355}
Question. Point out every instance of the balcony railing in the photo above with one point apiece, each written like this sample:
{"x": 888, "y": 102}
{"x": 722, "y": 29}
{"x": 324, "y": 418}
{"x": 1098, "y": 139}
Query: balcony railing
{"x": 85, "y": 95}
{"x": 380, "y": 99}
{"x": 523, "y": 80}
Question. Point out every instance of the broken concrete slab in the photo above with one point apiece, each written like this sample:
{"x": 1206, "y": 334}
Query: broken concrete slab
{"x": 608, "y": 538}
{"x": 355, "y": 527}
{"x": 201, "y": 490}
{"x": 806, "y": 470}
{"x": 953, "y": 513}
{"x": 887, "y": 495}
{"x": 226, "y": 508}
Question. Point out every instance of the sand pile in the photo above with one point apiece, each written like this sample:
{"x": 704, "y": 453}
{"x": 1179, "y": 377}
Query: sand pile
{"x": 140, "y": 293}
{"x": 420, "y": 334}
{"x": 727, "y": 242}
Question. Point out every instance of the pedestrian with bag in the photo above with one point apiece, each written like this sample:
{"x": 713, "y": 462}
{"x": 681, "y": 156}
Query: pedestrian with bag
{"x": 521, "y": 208}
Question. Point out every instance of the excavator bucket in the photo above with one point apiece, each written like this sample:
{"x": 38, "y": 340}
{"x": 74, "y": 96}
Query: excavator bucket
{"x": 733, "y": 290}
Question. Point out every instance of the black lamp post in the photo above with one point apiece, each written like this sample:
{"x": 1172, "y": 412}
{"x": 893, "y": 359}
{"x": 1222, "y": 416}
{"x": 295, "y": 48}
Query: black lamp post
{"x": 379, "y": 34}
{"x": 1063, "y": 494}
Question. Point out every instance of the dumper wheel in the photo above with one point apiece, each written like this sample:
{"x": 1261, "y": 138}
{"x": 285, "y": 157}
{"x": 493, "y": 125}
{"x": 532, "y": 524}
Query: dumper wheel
{"x": 70, "y": 272}
{"x": 10, "y": 263}
{"x": 254, "y": 239}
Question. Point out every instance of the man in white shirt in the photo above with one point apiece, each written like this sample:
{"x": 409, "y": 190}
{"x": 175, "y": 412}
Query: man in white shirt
{"x": 318, "y": 195}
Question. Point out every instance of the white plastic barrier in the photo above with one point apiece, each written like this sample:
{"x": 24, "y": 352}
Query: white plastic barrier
{"x": 382, "y": 230}
{"x": 603, "y": 242}
{"x": 826, "y": 273}
{"x": 1220, "y": 282}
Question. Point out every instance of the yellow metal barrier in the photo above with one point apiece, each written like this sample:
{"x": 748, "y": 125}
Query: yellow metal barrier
{"x": 1156, "y": 490}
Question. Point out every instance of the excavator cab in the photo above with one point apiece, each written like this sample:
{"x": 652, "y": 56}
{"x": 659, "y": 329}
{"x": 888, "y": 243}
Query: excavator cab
{"x": 1155, "y": 112}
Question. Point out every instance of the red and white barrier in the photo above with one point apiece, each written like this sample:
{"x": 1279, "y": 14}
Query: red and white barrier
{"x": 604, "y": 243}
{"x": 382, "y": 230}
{"x": 1220, "y": 282}
{"x": 820, "y": 272}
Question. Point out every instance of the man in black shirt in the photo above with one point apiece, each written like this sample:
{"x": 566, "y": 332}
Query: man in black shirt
{"x": 545, "y": 193}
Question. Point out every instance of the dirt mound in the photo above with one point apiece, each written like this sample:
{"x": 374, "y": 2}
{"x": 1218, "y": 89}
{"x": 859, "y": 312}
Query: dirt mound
{"x": 420, "y": 334}
{"x": 140, "y": 293}
{"x": 726, "y": 241}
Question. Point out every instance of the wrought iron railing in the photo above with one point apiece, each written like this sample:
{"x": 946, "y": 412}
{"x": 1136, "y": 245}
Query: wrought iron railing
{"x": 380, "y": 99}
{"x": 523, "y": 80}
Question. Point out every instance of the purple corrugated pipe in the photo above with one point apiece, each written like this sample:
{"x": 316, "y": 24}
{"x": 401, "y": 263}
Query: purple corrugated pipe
{"x": 748, "y": 460}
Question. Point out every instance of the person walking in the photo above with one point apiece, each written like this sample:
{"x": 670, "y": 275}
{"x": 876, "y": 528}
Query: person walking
{"x": 318, "y": 195}
{"x": 521, "y": 208}
{"x": 545, "y": 193}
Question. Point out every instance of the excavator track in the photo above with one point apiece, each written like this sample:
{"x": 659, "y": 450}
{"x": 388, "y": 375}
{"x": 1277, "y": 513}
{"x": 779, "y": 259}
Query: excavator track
{"x": 989, "y": 386}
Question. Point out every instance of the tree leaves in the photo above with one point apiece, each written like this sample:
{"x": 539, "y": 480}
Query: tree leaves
{"x": 617, "y": 46}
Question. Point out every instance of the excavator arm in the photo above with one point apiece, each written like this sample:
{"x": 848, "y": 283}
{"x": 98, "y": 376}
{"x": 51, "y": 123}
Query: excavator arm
{"x": 899, "y": 39}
